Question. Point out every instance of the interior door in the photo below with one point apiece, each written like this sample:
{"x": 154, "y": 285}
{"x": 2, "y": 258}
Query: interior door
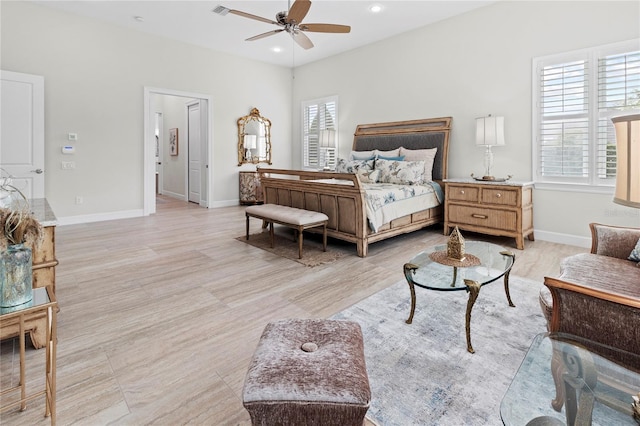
{"x": 195, "y": 152}
{"x": 22, "y": 131}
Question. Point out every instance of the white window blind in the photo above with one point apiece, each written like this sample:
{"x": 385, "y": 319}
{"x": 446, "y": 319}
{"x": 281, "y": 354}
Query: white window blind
{"x": 317, "y": 115}
{"x": 575, "y": 96}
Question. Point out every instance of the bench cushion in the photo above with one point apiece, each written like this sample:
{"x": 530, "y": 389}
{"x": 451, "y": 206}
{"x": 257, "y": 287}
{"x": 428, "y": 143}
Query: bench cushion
{"x": 284, "y": 214}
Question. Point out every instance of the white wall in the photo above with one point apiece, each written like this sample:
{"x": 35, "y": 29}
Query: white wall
{"x": 468, "y": 66}
{"x": 95, "y": 76}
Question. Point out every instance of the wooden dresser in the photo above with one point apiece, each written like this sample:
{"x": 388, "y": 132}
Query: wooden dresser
{"x": 494, "y": 208}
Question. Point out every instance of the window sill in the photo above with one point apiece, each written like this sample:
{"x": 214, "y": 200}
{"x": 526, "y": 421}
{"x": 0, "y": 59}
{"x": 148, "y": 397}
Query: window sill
{"x": 574, "y": 187}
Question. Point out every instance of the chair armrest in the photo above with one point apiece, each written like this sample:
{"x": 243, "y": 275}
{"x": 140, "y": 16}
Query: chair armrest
{"x": 613, "y": 241}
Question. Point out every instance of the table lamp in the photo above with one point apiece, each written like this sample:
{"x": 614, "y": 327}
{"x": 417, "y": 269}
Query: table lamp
{"x": 249, "y": 144}
{"x": 489, "y": 132}
{"x": 627, "y": 190}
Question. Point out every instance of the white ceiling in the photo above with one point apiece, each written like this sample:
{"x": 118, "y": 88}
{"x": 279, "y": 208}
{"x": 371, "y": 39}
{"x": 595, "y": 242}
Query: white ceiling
{"x": 194, "y": 22}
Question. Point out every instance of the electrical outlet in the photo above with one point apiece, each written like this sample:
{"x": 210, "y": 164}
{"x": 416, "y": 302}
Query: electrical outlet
{"x": 68, "y": 165}
{"x": 79, "y": 199}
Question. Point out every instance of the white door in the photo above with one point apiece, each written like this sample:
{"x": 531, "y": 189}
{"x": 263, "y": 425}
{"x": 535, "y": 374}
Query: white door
{"x": 159, "y": 140}
{"x": 22, "y": 131}
{"x": 194, "y": 166}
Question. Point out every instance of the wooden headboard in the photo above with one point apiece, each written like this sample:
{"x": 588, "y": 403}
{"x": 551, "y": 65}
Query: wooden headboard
{"x": 412, "y": 134}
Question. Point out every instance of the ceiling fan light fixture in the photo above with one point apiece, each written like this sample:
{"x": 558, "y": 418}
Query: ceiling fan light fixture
{"x": 221, "y": 10}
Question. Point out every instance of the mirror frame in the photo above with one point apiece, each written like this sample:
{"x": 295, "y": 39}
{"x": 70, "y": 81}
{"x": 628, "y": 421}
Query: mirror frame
{"x": 254, "y": 116}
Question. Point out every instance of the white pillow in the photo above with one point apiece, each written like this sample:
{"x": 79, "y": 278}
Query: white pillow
{"x": 426, "y": 155}
{"x": 391, "y": 153}
{"x": 400, "y": 172}
{"x": 362, "y": 155}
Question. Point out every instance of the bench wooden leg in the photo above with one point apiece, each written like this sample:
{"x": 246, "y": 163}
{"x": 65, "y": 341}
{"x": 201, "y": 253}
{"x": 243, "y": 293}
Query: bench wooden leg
{"x": 300, "y": 229}
{"x": 324, "y": 237}
{"x": 271, "y": 233}
{"x": 247, "y": 227}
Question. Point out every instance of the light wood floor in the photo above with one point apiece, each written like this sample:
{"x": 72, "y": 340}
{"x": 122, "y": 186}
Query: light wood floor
{"x": 159, "y": 316}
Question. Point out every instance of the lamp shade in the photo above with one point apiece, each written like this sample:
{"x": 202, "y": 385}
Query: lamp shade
{"x": 490, "y": 131}
{"x": 628, "y": 160}
{"x": 249, "y": 141}
{"x": 327, "y": 138}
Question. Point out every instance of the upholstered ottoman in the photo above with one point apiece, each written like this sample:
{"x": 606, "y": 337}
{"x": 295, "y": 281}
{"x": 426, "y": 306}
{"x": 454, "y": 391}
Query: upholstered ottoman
{"x": 308, "y": 372}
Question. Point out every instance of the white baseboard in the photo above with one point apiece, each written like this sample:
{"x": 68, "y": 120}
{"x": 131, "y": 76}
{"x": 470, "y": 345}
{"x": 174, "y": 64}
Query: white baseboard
{"x": 99, "y": 217}
{"x": 224, "y": 203}
{"x": 555, "y": 237}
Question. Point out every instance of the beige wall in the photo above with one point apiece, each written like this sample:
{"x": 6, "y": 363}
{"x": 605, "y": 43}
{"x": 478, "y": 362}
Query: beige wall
{"x": 468, "y": 66}
{"x": 95, "y": 75}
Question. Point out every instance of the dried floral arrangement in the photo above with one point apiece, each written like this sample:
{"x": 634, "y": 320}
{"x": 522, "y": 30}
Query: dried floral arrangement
{"x": 17, "y": 224}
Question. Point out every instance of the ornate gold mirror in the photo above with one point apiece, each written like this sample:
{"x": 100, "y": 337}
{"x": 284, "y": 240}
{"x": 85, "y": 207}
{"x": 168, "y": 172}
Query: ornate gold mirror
{"x": 254, "y": 139}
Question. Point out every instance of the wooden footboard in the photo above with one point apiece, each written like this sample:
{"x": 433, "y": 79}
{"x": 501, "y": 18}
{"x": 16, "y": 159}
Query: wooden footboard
{"x": 343, "y": 203}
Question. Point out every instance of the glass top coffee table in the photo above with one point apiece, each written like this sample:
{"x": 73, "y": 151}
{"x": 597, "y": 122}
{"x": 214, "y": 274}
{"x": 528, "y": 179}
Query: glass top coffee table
{"x": 484, "y": 263}
{"x": 585, "y": 381}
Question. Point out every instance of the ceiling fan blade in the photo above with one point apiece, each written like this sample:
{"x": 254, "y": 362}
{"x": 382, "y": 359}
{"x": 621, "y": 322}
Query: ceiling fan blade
{"x": 250, "y": 16}
{"x": 325, "y": 28}
{"x": 300, "y": 38}
{"x": 298, "y": 11}
{"x": 263, "y": 35}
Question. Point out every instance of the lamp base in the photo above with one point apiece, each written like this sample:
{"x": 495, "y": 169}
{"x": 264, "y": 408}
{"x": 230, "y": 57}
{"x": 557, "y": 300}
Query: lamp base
{"x": 491, "y": 178}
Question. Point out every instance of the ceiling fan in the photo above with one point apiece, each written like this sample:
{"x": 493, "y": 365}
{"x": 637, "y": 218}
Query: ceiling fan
{"x": 290, "y": 22}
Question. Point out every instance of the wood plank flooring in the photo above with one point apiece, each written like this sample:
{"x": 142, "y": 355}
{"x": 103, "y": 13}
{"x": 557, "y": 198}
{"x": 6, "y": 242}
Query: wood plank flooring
{"x": 159, "y": 316}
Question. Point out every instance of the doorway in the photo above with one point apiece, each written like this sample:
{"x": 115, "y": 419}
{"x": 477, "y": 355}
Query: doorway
{"x": 195, "y": 147}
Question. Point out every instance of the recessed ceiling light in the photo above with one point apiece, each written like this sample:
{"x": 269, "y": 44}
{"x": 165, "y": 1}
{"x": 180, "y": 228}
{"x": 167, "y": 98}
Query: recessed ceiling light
{"x": 139, "y": 18}
{"x": 375, "y": 8}
{"x": 277, "y": 49}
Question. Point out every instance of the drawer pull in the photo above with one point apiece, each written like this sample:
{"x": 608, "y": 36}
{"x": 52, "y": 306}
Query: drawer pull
{"x": 462, "y": 191}
{"x": 479, "y": 216}
{"x": 498, "y": 195}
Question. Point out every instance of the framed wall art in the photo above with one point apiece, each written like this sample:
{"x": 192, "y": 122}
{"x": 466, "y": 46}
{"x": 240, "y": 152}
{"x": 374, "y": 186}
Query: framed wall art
{"x": 173, "y": 141}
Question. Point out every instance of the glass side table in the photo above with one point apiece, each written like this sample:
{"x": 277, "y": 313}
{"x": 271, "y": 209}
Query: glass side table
{"x": 593, "y": 388}
{"x": 43, "y": 304}
{"x": 484, "y": 264}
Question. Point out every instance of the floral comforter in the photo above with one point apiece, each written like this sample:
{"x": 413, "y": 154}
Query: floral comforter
{"x": 387, "y": 201}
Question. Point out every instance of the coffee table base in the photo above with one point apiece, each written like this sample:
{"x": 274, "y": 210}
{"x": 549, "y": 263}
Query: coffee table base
{"x": 473, "y": 288}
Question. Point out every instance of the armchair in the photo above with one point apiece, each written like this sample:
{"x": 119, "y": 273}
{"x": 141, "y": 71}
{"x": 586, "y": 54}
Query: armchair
{"x": 597, "y": 296}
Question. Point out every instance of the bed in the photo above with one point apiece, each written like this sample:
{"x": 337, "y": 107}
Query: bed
{"x": 343, "y": 196}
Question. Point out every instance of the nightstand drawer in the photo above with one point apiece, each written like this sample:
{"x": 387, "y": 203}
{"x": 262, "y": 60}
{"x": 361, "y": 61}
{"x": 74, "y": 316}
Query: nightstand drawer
{"x": 462, "y": 193}
{"x": 504, "y": 197}
{"x": 486, "y": 218}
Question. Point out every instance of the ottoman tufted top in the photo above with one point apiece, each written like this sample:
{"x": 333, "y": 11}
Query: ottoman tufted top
{"x": 333, "y": 371}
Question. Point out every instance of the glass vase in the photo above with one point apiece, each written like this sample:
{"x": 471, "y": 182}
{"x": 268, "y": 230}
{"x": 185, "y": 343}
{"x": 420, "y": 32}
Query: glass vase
{"x": 16, "y": 284}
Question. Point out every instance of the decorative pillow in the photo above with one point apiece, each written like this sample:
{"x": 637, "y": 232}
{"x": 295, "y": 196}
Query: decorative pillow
{"x": 391, "y": 153}
{"x": 426, "y": 155}
{"x": 362, "y": 155}
{"x": 352, "y": 166}
{"x": 398, "y": 158}
{"x": 368, "y": 176}
{"x": 400, "y": 172}
{"x": 635, "y": 253}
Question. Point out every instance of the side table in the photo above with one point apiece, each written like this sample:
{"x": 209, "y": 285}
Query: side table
{"x": 493, "y": 208}
{"x": 43, "y": 304}
{"x": 250, "y": 188}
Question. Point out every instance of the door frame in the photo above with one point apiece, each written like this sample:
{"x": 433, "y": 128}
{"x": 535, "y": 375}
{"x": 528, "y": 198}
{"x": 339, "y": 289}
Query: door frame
{"x": 149, "y": 197}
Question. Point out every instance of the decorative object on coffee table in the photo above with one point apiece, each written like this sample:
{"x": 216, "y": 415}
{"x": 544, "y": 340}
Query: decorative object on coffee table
{"x": 455, "y": 245}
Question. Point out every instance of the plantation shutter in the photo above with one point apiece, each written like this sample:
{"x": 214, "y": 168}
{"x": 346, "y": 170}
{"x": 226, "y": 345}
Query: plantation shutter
{"x": 318, "y": 115}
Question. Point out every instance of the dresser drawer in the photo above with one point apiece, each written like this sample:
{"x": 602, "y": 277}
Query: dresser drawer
{"x": 462, "y": 193}
{"x": 504, "y": 197}
{"x": 486, "y": 218}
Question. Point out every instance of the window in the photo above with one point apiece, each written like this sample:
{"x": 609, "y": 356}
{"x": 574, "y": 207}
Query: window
{"x": 318, "y": 115}
{"x": 575, "y": 96}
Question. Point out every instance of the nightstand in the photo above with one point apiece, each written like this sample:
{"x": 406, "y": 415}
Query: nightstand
{"x": 493, "y": 208}
{"x": 250, "y": 188}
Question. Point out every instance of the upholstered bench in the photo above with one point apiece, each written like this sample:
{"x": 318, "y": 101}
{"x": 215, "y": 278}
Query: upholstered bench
{"x": 308, "y": 372}
{"x": 292, "y": 217}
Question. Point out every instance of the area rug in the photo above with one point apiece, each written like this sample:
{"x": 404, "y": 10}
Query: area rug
{"x": 422, "y": 374}
{"x": 285, "y": 246}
